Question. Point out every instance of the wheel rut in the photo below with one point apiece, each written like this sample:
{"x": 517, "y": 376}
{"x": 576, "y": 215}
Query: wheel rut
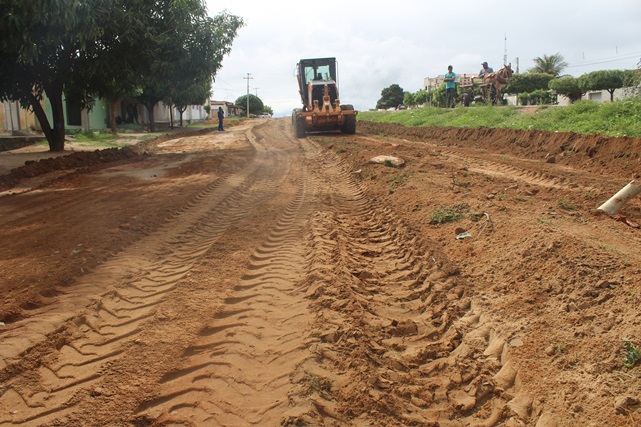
{"x": 136, "y": 281}
{"x": 341, "y": 314}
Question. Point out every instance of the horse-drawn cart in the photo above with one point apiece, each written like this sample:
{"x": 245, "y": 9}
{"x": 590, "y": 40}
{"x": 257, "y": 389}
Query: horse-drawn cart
{"x": 491, "y": 87}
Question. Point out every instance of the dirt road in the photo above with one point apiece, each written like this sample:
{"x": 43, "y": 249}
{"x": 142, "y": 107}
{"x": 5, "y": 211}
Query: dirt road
{"x": 250, "y": 278}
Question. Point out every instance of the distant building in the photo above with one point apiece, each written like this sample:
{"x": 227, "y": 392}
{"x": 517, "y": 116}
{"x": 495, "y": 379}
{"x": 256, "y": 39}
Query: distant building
{"x": 229, "y": 108}
{"x": 14, "y": 118}
{"x": 432, "y": 83}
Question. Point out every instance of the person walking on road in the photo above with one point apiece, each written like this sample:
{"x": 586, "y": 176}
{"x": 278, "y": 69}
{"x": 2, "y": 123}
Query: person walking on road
{"x": 221, "y": 115}
{"x": 450, "y": 87}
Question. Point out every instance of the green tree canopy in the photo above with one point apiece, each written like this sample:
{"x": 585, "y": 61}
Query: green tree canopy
{"x": 609, "y": 80}
{"x": 39, "y": 45}
{"x": 632, "y": 77}
{"x": 107, "y": 49}
{"x": 256, "y": 106}
{"x": 191, "y": 48}
{"x": 528, "y": 82}
{"x": 194, "y": 93}
{"x": 408, "y": 99}
{"x": 553, "y": 64}
{"x": 391, "y": 96}
{"x": 421, "y": 97}
{"x": 568, "y": 86}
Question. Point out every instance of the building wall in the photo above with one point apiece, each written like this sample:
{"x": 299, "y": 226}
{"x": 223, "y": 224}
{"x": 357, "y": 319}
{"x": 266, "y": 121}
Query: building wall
{"x": 96, "y": 118}
{"x": 15, "y": 118}
{"x": 604, "y": 95}
{"x": 432, "y": 83}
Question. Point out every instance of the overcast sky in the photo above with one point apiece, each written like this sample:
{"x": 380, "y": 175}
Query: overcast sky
{"x": 380, "y": 43}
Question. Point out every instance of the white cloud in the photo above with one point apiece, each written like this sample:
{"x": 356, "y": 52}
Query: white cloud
{"x": 381, "y": 43}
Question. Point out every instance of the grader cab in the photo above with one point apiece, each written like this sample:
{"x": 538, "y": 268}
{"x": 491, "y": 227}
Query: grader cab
{"x": 322, "y": 110}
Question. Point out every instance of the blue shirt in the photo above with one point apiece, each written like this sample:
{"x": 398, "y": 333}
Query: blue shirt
{"x": 450, "y": 85}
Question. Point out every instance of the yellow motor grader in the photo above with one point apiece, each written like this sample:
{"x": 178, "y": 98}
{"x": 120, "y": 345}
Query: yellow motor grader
{"x": 322, "y": 110}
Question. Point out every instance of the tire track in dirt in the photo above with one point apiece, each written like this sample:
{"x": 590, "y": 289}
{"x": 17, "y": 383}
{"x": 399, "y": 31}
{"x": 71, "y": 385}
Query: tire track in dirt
{"x": 396, "y": 338}
{"x": 397, "y": 329}
{"x": 530, "y": 172}
{"x": 139, "y": 280}
{"x": 240, "y": 369}
{"x": 237, "y": 372}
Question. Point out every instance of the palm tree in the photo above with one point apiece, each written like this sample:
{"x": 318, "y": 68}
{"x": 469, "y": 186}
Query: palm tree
{"x": 552, "y": 64}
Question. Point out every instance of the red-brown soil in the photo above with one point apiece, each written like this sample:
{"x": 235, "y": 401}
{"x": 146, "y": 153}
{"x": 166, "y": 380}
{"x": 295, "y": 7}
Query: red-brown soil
{"x": 247, "y": 277}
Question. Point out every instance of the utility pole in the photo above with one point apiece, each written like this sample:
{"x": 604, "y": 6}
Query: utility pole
{"x": 505, "y": 50}
{"x": 256, "y": 89}
{"x": 248, "y": 79}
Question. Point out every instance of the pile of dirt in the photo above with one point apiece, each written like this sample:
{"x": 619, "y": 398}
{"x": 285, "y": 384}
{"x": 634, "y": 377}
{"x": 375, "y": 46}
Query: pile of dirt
{"x": 85, "y": 159}
{"x": 587, "y": 151}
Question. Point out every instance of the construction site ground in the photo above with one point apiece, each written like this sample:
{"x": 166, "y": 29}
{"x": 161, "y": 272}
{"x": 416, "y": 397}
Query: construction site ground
{"x": 250, "y": 278}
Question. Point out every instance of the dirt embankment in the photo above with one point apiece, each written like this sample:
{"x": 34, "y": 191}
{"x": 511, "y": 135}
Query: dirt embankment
{"x": 593, "y": 152}
{"x": 248, "y": 277}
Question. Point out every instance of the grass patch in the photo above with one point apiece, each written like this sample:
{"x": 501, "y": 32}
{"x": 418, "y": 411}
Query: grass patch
{"x": 566, "y": 204}
{"x": 398, "y": 180}
{"x": 444, "y": 215}
{"x": 631, "y": 353}
{"x": 608, "y": 118}
{"x": 313, "y": 383}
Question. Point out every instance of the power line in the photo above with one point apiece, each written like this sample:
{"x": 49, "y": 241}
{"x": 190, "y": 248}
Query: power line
{"x": 604, "y": 61}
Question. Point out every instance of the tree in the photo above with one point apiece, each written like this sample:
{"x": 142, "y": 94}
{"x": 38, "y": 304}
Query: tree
{"x": 609, "y": 80}
{"x": 408, "y": 99}
{"x": 421, "y": 97}
{"x": 632, "y": 82}
{"x": 77, "y": 50}
{"x": 552, "y": 64}
{"x": 113, "y": 67}
{"x": 391, "y": 96}
{"x": 256, "y": 106}
{"x": 39, "y": 45}
{"x": 528, "y": 82}
{"x": 195, "y": 93}
{"x": 190, "y": 49}
{"x": 567, "y": 86}
{"x": 439, "y": 96}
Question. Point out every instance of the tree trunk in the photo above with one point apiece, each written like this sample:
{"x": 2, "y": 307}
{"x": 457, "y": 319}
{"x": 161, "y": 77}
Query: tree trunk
{"x": 181, "y": 111}
{"x": 113, "y": 117}
{"x": 55, "y": 135}
{"x": 41, "y": 116}
{"x": 58, "y": 132}
{"x": 150, "y": 108}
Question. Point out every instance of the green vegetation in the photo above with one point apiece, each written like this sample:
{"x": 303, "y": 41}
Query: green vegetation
{"x": 444, "y": 215}
{"x": 109, "y": 50}
{"x": 566, "y": 204}
{"x": 609, "y": 118}
{"x": 631, "y": 353}
{"x": 391, "y": 96}
{"x": 398, "y": 180}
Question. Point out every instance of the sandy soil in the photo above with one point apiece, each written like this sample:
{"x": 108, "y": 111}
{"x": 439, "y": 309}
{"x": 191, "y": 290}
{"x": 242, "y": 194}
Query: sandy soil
{"x": 250, "y": 278}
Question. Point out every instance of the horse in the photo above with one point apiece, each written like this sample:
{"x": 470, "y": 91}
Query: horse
{"x": 497, "y": 80}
